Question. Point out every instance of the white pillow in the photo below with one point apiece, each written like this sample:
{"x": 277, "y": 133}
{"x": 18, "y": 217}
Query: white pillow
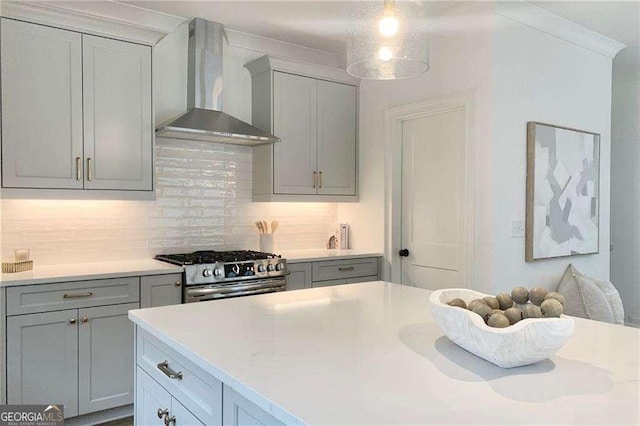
{"x": 612, "y": 295}
{"x": 589, "y": 298}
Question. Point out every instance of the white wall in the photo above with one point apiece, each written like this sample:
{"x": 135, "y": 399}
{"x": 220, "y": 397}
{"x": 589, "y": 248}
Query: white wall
{"x": 625, "y": 192}
{"x": 539, "y": 77}
{"x": 521, "y": 74}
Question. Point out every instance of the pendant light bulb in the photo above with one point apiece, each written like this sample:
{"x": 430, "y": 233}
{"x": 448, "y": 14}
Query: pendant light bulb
{"x": 388, "y": 26}
{"x": 385, "y": 53}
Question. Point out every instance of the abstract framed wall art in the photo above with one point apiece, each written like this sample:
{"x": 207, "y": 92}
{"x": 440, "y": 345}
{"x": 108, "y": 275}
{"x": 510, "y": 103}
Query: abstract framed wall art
{"x": 563, "y": 193}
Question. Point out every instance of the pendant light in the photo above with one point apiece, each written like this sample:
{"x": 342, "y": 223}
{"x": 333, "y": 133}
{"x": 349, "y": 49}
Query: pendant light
{"x": 388, "y": 41}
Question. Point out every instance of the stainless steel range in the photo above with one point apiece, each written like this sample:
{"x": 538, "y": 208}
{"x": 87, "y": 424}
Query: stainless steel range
{"x": 212, "y": 275}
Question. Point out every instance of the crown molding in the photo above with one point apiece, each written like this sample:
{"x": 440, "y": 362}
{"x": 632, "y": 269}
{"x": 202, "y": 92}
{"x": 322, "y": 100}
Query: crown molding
{"x": 549, "y": 23}
{"x": 103, "y": 18}
{"x": 268, "y": 63}
{"x": 282, "y": 49}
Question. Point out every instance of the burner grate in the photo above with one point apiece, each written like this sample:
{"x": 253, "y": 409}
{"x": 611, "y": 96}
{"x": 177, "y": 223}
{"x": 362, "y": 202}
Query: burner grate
{"x": 210, "y": 256}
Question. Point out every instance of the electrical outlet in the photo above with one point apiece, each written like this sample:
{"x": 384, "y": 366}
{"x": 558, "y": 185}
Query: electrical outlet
{"x": 517, "y": 229}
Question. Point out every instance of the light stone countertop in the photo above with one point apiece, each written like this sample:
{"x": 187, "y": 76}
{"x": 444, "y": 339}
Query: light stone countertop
{"x": 371, "y": 353}
{"x": 315, "y": 255}
{"x": 116, "y": 269}
{"x": 88, "y": 271}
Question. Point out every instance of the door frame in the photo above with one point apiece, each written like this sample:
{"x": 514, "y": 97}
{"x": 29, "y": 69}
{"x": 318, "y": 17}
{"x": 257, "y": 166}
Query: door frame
{"x": 395, "y": 117}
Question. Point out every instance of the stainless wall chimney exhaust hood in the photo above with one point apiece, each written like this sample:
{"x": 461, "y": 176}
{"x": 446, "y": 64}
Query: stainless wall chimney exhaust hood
{"x": 204, "y": 119}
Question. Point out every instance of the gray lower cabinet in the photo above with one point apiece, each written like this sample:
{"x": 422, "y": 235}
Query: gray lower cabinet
{"x": 156, "y": 406}
{"x": 82, "y": 358}
{"x": 299, "y": 276}
{"x": 42, "y": 359}
{"x": 239, "y": 411}
{"x": 332, "y": 272}
{"x": 105, "y": 358}
{"x": 160, "y": 290}
{"x": 72, "y": 343}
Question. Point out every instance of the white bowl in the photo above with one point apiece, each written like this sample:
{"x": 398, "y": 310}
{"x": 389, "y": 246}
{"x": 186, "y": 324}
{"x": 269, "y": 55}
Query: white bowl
{"x": 526, "y": 342}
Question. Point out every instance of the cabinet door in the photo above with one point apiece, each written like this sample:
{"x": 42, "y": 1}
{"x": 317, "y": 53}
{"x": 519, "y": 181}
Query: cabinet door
{"x": 183, "y": 417}
{"x": 336, "y": 138}
{"x": 41, "y": 106}
{"x": 42, "y": 359}
{"x": 118, "y": 126}
{"x": 299, "y": 276}
{"x": 105, "y": 358}
{"x": 239, "y": 411}
{"x": 294, "y": 121}
{"x": 160, "y": 290}
{"x": 150, "y": 398}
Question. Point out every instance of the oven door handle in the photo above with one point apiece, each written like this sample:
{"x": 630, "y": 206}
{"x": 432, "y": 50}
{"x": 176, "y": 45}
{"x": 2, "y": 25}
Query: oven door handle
{"x": 250, "y": 292}
{"x": 217, "y": 295}
{"x": 233, "y": 289}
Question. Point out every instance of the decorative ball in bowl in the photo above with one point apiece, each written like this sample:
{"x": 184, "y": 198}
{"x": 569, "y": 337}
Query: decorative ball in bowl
{"x": 524, "y": 342}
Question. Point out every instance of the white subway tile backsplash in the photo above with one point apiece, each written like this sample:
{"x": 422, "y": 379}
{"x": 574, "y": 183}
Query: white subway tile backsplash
{"x": 203, "y": 202}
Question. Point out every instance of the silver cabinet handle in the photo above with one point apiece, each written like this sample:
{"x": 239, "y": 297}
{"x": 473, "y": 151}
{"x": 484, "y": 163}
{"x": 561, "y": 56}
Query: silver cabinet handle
{"x": 89, "y": 170}
{"x": 168, "y": 420}
{"x": 72, "y": 321}
{"x": 78, "y": 173}
{"x": 85, "y": 319}
{"x": 76, "y": 295}
{"x": 315, "y": 179}
{"x": 164, "y": 367}
{"x": 162, "y": 413}
{"x": 345, "y": 268}
{"x": 320, "y": 179}
{"x": 178, "y": 284}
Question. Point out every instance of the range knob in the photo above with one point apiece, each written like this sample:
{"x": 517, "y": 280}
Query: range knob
{"x": 207, "y": 272}
{"x": 261, "y": 267}
{"x": 280, "y": 266}
{"x": 271, "y": 267}
{"x": 218, "y": 272}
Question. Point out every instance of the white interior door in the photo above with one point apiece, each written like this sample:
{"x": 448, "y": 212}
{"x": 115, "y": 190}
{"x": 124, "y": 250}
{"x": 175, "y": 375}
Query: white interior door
{"x": 433, "y": 200}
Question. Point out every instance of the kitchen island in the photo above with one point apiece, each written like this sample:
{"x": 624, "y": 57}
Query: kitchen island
{"x": 365, "y": 353}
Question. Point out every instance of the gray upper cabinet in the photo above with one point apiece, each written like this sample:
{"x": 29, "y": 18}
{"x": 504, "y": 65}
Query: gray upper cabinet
{"x": 117, "y": 114}
{"x": 336, "y": 138}
{"x": 314, "y": 111}
{"x": 41, "y": 106}
{"x": 76, "y": 110}
{"x": 294, "y": 121}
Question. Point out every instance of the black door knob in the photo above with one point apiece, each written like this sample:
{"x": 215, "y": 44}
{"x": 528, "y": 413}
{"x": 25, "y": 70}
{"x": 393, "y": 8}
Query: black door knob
{"x": 404, "y": 253}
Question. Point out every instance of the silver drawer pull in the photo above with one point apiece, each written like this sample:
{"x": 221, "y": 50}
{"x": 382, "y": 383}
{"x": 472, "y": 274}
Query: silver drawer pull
{"x": 164, "y": 367}
{"x": 169, "y": 420}
{"x": 73, "y": 296}
{"x": 162, "y": 413}
{"x": 345, "y": 268}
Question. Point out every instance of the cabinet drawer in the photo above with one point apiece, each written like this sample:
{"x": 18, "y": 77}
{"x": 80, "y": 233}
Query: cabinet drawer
{"x": 83, "y": 294}
{"x": 340, "y": 269}
{"x": 345, "y": 281}
{"x": 193, "y": 387}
